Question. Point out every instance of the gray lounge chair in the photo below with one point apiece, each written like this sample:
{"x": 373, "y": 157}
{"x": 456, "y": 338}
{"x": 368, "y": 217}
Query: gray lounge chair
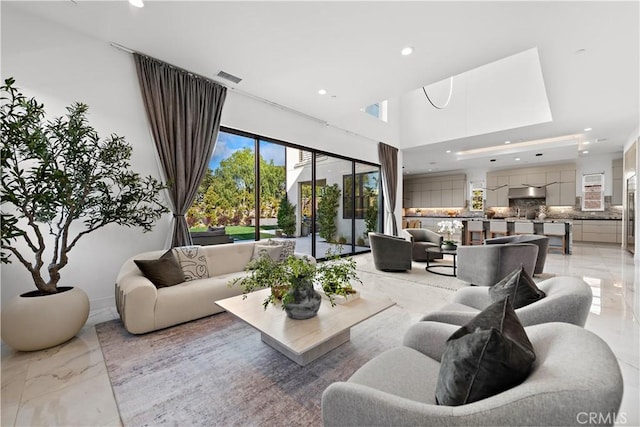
{"x": 541, "y": 241}
{"x": 568, "y": 299}
{"x": 390, "y": 253}
{"x": 575, "y": 374}
{"x": 486, "y": 265}
{"x": 421, "y": 238}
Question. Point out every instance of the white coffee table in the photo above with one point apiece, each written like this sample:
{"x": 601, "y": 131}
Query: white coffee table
{"x": 303, "y": 341}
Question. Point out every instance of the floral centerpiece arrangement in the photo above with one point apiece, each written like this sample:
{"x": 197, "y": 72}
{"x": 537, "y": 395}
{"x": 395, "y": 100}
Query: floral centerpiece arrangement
{"x": 449, "y": 227}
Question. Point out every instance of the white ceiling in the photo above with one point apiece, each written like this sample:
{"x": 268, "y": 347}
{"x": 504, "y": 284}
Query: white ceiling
{"x": 286, "y": 51}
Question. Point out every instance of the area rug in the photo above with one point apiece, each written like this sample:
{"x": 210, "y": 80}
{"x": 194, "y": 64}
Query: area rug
{"x": 417, "y": 274}
{"x": 217, "y": 372}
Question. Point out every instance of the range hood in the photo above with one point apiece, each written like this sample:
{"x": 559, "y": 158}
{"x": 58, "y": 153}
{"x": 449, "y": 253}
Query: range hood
{"x": 527, "y": 193}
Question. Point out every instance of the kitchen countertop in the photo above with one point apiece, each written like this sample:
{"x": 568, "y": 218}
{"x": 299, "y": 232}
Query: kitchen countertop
{"x": 474, "y": 218}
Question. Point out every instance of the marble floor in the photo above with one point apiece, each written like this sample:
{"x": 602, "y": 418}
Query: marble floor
{"x": 68, "y": 385}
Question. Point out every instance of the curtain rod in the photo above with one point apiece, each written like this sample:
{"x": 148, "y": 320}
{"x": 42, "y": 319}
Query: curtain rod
{"x": 246, "y": 94}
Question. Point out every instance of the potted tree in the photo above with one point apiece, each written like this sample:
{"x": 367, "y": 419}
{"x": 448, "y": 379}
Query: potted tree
{"x": 287, "y": 217}
{"x": 328, "y": 211}
{"x": 370, "y": 220}
{"x": 60, "y": 181}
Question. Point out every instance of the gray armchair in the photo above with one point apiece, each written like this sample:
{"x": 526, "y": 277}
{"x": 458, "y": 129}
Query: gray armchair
{"x": 390, "y": 253}
{"x": 486, "y": 265}
{"x": 398, "y": 386}
{"x": 539, "y": 240}
{"x": 422, "y": 239}
{"x": 568, "y": 300}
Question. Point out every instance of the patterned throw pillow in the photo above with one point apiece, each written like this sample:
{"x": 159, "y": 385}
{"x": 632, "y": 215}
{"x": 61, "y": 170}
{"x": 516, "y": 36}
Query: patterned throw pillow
{"x": 273, "y": 251}
{"x": 288, "y": 247}
{"x": 192, "y": 261}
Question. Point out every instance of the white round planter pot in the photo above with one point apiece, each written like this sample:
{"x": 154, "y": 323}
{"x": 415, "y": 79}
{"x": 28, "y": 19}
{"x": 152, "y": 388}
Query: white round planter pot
{"x": 32, "y": 323}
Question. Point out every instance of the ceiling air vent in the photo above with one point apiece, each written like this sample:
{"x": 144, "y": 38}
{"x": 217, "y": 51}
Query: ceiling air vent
{"x": 229, "y": 77}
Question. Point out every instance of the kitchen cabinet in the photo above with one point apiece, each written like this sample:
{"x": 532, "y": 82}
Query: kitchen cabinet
{"x": 561, "y": 193}
{"x": 567, "y": 193}
{"x": 577, "y": 230}
{"x": 617, "y": 183}
{"x": 567, "y": 188}
{"x": 491, "y": 195}
{"x": 447, "y": 195}
{"x": 604, "y": 231}
{"x": 503, "y": 193}
{"x": 436, "y": 192}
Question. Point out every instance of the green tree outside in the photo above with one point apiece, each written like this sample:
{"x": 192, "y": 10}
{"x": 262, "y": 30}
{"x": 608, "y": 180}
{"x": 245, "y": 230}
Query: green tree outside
{"x": 226, "y": 195}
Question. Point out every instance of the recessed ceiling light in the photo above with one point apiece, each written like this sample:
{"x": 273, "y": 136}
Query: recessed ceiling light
{"x": 587, "y": 129}
{"x": 136, "y": 3}
{"x": 585, "y": 152}
{"x": 406, "y": 51}
{"x": 448, "y": 151}
{"x": 507, "y": 142}
{"x": 587, "y": 142}
{"x": 517, "y": 159}
{"x": 322, "y": 92}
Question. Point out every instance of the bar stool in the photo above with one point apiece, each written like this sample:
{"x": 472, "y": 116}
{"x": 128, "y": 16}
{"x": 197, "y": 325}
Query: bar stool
{"x": 523, "y": 227}
{"x": 498, "y": 228}
{"x": 475, "y": 232}
{"x": 554, "y": 231}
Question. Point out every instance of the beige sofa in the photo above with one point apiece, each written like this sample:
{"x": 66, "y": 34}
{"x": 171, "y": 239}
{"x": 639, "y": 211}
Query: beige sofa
{"x": 144, "y": 308}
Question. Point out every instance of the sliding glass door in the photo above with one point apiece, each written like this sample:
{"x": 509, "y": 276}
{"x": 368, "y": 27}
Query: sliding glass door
{"x": 257, "y": 188}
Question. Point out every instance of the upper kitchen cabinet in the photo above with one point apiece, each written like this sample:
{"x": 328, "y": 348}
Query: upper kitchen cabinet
{"x": 616, "y": 182}
{"x": 560, "y": 182}
{"x": 447, "y": 191}
{"x": 567, "y": 187}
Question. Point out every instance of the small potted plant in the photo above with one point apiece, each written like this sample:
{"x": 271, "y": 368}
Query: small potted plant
{"x": 449, "y": 227}
{"x": 292, "y": 282}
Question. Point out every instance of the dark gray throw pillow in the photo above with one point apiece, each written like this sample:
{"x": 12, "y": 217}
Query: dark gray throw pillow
{"x": 162, "y": 272}
{"x": 487, "y": 356}
{"x": 519, "y": 287}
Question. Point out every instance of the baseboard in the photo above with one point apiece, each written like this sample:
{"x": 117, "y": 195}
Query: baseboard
{"x": 100, "y": 303}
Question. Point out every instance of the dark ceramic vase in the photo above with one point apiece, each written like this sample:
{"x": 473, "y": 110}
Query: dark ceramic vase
{"x": 306, "y": 301}
{"x": 448, "y": 247}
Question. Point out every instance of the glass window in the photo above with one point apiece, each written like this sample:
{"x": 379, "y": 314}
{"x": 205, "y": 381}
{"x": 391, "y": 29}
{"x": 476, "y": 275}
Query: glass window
{"x": 257, "y": 188}
{"x": 277, "y": 209}
{"x": 226, "y": 196}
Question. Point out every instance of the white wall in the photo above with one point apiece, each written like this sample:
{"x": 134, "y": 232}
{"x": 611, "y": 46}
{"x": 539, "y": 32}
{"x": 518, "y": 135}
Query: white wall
{"x": 59, "y": 66}
{"x": 596, "y": 164}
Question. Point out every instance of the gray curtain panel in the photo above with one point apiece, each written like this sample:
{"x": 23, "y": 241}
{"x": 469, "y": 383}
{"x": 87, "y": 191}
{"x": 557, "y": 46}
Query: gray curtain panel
{"x": 184, "y": 114}
{"x": 388, "y": 157}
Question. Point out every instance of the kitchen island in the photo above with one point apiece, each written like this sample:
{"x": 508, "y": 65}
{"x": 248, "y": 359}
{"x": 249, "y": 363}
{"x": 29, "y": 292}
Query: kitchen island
{"x": 538, "y": 226}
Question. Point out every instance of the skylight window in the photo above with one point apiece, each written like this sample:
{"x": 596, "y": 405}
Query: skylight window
{"x": 377, "y": 110}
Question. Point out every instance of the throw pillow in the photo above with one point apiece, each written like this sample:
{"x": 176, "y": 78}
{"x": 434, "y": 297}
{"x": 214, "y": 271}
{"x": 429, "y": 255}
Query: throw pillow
{"x": 288, "y": 247}
{"x": 162, "y": 272}
{"x": 216, "y": 231}
{"x": 273, "y": 251}
{"x": 519, "y": 287}
{"x": 487, "y": 356}
{"x": 192, "y": 261}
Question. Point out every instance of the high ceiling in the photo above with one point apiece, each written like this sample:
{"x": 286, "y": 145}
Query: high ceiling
{"x": 286, "y": 51}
